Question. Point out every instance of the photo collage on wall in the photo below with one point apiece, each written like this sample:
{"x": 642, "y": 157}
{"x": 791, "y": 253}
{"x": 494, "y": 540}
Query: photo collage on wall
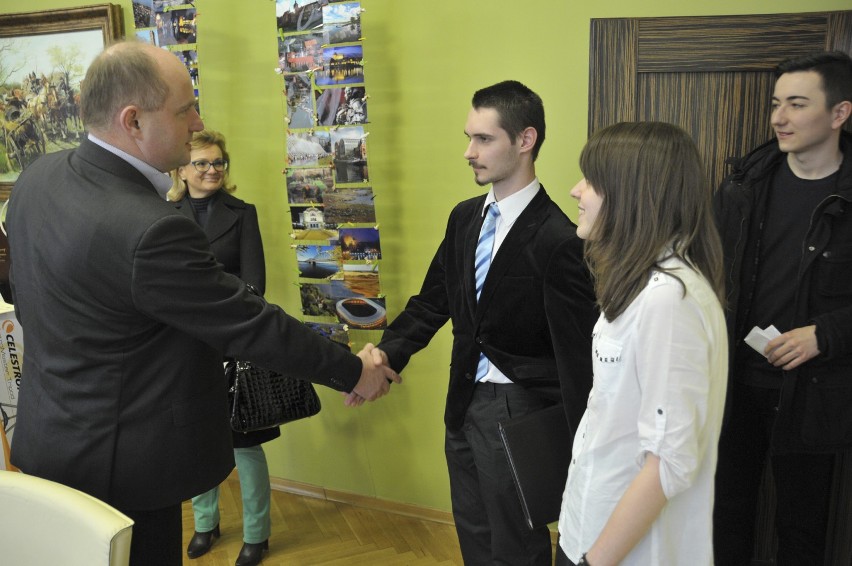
{"x": 170, "y": 24}
{"x": 333, "y": 217}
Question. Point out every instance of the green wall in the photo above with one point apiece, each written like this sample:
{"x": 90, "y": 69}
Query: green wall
{"x": 423, "y": 61}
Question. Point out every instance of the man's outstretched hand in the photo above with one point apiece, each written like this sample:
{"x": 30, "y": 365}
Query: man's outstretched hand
{"x": 376, "y": 377}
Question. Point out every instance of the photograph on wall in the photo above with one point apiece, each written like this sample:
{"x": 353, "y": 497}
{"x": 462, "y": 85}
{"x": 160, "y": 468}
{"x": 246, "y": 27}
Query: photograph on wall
{"x": 367, "y": 313}
{"x": 299, "y": 100}
{"x": 308, "y": 223}
{"x": 176, "y": 27}
{"x": 346, "y": 302}
{"x": 143, "y": 13}
{"x": 359, "y": 244}
{"x": 296, "y": 15}
{"x": 189, "y": 58}
{"x": 300, "y": 53}
{"x": 350, "y": 205}
{"x": 309, "y": 149}
{"x": 342, "y": 65}
{"x": 147, "y": 36}
{"x": 318, "y": 262}
{"x": 308, "y": 185}
{"x": 318, "y": 300}
{"x": 341, "y": 23}
{"x": 350, "y": 155}
{"x": 341, "y": 106}
{"x": 163, "y": 5}
{"x": 337, "y": 333}
{"x": 359, "y": 280}
{"x": 40, "y": 85}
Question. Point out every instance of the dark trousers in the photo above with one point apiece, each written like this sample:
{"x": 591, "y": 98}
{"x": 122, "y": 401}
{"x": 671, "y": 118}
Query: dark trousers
{"x": 486, "y": 508}
{"x": 156, "y": 539}
{"x": 561, "y": 558}
{"x": 802, "y": 487}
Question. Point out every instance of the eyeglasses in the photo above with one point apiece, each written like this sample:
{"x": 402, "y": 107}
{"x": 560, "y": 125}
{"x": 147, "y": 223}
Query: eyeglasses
{"x": 202, "y": 165}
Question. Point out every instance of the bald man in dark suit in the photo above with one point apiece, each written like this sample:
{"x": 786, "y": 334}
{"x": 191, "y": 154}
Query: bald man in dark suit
{"x": 127, "y": 314}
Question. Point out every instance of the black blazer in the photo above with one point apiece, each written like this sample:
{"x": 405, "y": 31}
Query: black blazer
{"x": 235, "y": 240}
{"x": 534, "y": 318}
{"x": 126, "y": 315}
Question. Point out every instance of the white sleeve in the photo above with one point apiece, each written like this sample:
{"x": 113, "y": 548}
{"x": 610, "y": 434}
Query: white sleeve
{"x": 672, "y": 366}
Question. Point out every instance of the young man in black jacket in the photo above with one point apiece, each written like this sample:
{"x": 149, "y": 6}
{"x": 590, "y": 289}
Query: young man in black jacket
{"x": 785, "y": 216}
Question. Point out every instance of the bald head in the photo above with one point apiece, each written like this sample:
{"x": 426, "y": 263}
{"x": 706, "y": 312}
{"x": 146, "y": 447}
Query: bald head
{"x": 139, "y": 98}
{"x": 124, "y": 74}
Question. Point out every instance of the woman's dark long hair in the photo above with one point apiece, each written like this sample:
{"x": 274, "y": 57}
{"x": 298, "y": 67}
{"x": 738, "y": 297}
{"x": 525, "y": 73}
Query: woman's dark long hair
{"x": 656, "y": 204}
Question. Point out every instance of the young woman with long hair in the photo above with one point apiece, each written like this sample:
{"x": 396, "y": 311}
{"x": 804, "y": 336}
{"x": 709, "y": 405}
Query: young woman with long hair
{"x": 640, "y": 485}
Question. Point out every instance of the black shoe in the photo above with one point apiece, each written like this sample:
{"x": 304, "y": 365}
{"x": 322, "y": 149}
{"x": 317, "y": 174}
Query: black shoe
{"x": 200, "y": 543}
{"x": 252, "y": 553}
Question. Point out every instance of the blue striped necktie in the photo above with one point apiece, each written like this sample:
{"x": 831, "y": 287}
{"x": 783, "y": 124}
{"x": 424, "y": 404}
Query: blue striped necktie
{"x": 482, "y": 262}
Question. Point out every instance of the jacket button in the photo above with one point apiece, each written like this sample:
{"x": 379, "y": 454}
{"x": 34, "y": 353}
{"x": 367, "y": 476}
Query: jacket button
{"x": 815, "y": 380}
{"x": 479, "y": 340}
{"x": 811, "y": 248}
{"x": 468, "y": 377}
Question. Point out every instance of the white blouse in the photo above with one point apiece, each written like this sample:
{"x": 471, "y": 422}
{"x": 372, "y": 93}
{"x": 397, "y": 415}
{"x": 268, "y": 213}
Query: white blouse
{"x": 660, "y": 376}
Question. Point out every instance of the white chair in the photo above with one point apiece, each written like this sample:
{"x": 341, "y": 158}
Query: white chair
{"x": 43, "y": 523}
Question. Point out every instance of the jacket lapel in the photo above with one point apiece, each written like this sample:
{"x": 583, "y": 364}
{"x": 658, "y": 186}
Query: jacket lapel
{"x": 185, "y": 208}
{"x": 519, "y": 235}
{"x": 222, "y": 218}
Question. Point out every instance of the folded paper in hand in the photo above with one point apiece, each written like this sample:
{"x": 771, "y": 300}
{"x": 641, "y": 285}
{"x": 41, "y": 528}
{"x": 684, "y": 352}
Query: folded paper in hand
{"x": 758, "y": 338}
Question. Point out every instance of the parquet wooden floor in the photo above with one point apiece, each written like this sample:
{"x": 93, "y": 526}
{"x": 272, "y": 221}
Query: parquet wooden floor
{"x": 308, "y": 531}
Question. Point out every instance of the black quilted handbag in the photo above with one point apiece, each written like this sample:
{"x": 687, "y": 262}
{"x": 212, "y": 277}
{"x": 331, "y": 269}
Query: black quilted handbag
{"x": 261, "y": 398}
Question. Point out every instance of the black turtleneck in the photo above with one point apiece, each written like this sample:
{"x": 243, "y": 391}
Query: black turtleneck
{"x": 201, "y": 207}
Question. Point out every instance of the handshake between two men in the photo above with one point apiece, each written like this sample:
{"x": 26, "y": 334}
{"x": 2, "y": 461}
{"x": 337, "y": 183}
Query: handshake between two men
{"x": 376, "y": 377}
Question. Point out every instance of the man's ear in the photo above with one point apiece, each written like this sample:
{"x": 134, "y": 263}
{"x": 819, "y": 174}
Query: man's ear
{"x": 528, "y": 138}
{"x": 840, "y": 113}
{"x": 129, "y": 121}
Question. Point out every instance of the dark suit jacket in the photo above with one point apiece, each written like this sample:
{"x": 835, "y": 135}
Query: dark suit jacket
{"x": 534, "y": 318}
{"x": 235, "y": 240}
{"x": 126, "y": 315}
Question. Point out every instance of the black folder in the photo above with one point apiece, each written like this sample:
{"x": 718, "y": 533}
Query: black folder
{"x": 538, "y": 447}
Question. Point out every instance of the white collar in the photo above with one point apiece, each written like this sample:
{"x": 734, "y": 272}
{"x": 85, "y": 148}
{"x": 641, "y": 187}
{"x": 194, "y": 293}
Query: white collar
{"x": 513, "y": 205}
{"x": 161, "y": 181}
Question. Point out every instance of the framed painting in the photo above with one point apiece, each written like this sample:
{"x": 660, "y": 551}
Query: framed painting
{"x": 43, "y": 57}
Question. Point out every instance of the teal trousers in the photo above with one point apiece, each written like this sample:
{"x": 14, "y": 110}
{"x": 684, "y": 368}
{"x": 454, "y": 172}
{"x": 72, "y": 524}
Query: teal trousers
{"x": 255, "y": 489}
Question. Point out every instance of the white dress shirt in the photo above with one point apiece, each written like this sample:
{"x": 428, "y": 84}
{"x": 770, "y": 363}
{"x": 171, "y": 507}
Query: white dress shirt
{"x": 510, "y": 208}
{"x": 660, "y": 376}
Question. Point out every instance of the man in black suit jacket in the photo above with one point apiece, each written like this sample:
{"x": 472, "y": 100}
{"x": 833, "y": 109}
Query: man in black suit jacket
{"x": 533, "y": 323}
{"x": 127, "y": 314}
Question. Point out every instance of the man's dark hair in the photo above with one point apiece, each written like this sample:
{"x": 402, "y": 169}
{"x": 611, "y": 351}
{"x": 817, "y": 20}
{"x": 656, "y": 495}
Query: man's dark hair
{"x": 834, "y": 67}
{"x": 517, "y": 106}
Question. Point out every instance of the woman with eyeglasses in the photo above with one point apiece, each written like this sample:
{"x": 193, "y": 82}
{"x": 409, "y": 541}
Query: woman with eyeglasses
{"x": 200, "y": 190}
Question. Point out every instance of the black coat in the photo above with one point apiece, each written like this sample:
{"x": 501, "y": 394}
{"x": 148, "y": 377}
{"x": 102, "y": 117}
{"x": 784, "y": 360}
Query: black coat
{"x": 126, "y": 314}
{"x": 815, "y": 411}
{"x": 234, "y": 236}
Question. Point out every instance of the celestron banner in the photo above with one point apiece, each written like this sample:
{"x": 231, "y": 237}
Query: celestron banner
{"x": 11, "y": 362}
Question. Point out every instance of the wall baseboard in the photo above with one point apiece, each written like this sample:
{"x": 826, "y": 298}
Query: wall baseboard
{"x": 395, "y": 507}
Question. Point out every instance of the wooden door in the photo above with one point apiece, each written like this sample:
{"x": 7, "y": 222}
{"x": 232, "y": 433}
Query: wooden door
{"x": 713, "y": 76}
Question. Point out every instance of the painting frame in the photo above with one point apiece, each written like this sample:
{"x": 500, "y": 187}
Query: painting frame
{"x": 104, "y": 17}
